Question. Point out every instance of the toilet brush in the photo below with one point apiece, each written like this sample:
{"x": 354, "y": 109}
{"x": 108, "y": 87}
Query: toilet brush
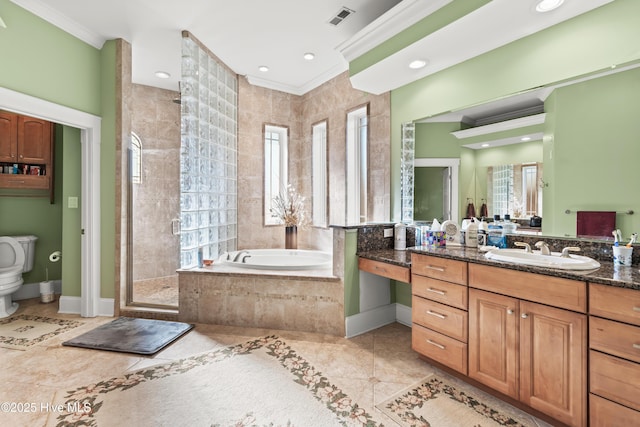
{"x": 46, "y": 288}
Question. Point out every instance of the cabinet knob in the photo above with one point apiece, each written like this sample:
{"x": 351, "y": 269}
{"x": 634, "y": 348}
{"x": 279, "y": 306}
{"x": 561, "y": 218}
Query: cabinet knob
{"x": 524, "y": 315}
{"x": 509, "y": 311}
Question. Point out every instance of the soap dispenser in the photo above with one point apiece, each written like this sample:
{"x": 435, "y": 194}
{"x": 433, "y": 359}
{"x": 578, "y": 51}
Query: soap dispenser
{"x": 471, "y": 237}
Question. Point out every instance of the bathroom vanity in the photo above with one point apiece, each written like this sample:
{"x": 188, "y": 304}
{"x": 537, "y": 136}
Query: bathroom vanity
{"x": 566, "y": 344}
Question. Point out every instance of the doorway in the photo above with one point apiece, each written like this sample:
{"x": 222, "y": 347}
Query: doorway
{"x": 436, "y": 189}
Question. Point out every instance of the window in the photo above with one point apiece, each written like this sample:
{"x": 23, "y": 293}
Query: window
{"x": 530, "y": 190}
{"x": 319, "y": 174}
{"x": 502, "y": 189}
{"x": 136, "y": 159}
{"x": 357, "y": 134}
{"x": 275, "y": 167}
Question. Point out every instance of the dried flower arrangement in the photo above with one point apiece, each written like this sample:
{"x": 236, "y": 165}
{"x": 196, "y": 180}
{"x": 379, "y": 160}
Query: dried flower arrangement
{"x": 288, "y": 207}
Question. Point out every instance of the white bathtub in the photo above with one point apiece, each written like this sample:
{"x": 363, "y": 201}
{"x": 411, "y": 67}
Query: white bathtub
{"x": 278, "y": 259}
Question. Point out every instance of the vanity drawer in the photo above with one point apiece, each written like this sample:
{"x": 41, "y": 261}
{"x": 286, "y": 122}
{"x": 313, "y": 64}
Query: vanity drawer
{"x": 384, "y": 269}
{"x": 440, "y": 348}
{"x": 615, "y": 379}
{"x": 439, "y": 268}
{"x": 605, "y": 413}
{"x": 615, "y": 338}
{"x": 441, "y": 318}
{"x": 615, "y": 303}
{"x": 440, "y": 291}
{"x": 549, "y": 290}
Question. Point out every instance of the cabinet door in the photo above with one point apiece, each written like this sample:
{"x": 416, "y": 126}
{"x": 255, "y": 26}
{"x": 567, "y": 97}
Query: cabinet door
{"x": 493, "y": 341}
{"x": 34, "y": 140}
{"x": 553, "y": 362}
{"x": 8, "y": 136}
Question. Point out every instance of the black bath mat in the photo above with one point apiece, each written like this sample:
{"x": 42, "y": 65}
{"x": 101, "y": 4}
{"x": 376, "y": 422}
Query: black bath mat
{"x": 131, "y": 335}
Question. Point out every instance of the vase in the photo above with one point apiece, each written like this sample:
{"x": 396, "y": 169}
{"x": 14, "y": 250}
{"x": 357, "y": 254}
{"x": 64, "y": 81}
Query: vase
{"x": 291, "y": 237}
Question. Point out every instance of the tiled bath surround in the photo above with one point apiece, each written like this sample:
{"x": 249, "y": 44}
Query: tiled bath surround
{"x": 331, "y": 101}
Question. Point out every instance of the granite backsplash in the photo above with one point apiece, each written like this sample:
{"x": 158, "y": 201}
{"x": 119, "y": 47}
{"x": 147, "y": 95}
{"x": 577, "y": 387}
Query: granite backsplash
{"x": 371, "y": 237}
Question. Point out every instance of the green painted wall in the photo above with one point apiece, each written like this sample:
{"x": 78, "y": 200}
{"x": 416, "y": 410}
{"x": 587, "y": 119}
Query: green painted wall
{"x": 583, "y": 45}
{"x": 108, "y": 170}
{"x": 41, "y": 60}
{"x": 45, "y": 62}
{"x": 71, "y": 219}
{"x": 428, "y": 194}
{"x": 351, "y": 274}
{"x": 591, "y": 158}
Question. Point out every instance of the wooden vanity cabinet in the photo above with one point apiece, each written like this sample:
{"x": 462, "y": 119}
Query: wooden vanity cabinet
{"x": 385, "y": 269}
{"x": 439, "y": 310}
{"x": 27, "y": 142}
{"x": 525, "y": 344}
{"x": 614, "y": 356}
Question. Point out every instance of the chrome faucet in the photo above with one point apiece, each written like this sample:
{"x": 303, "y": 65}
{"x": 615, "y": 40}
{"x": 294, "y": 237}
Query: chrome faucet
{"x": 544, "y": 247}
{"x": 526, "y": 246}
{"x": 565, "y": 251}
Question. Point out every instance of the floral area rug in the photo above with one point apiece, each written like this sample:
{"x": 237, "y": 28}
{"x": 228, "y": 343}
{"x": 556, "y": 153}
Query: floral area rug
{"x": 23, "y": 331}
{"x": 437, "y": 401}
{"x": 263, "y": 382}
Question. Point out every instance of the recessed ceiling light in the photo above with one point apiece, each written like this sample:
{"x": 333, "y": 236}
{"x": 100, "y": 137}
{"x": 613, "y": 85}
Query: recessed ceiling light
{"x": 485, "y": 145}
{"x": 548, "y": 5}
{"x": 263, "y": 68}
{"x": 525, "y": 138}
{"x": 308, "y": 56}
{"x": 162, "y": 74}
{"x": 418, "y": 63}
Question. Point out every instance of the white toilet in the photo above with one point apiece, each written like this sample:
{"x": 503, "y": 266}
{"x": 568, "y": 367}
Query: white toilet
{"x": 16, "y": 257}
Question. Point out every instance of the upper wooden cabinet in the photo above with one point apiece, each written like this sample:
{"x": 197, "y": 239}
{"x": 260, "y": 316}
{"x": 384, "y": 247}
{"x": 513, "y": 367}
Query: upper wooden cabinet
{"x": 26, "y": 147}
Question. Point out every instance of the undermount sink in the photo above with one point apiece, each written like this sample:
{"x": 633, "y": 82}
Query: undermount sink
{"x": 535, "y": 258}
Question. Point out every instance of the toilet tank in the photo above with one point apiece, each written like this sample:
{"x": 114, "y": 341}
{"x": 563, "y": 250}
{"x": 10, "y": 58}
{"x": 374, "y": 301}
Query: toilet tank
{"x": 28, "y": 244}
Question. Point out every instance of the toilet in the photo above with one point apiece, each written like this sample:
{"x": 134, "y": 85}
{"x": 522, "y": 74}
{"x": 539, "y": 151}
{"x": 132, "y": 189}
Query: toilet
{"x": 16, "y": 257}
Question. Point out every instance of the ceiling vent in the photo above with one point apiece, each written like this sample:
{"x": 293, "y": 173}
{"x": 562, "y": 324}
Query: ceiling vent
{"x": 342, "y": 14}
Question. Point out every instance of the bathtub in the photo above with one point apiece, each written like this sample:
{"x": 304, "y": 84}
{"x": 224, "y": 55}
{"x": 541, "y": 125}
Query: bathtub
{"x": 277, "y": 259}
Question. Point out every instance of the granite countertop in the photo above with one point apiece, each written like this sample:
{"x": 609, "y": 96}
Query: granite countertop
{"x": 607, "y": 274}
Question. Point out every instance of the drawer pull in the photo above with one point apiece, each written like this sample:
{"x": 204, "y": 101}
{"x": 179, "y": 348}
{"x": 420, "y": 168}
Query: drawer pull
{"x": 636, "y": 346}
{"x": 432, "y": 267}
{"x": 524, "y": 315}
{"x": 384, "y": 270}
{"x": 636, "y": 308}
{"x": 437, "y": 291}
{"x": 438, "y": 315}
{"x": 509, "y": 311}
{"x": 440, "y": 346}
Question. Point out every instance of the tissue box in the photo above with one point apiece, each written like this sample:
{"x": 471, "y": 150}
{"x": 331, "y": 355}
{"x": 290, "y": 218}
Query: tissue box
{"x": 434, "y": 239}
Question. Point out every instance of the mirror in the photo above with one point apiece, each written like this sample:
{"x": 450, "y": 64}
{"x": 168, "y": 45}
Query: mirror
{"x": 582, "y": 148}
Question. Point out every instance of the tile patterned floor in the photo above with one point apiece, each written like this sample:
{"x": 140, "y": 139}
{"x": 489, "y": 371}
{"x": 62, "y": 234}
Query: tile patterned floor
{"x": 369, "y": 368}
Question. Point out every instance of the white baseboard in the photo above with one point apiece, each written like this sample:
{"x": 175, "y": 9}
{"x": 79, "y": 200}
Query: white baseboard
{"x": 403, "y": 315}
{"x": 32, "y": 290}
{"x": 71, "y": 305}
{"x": 373, "y": 319}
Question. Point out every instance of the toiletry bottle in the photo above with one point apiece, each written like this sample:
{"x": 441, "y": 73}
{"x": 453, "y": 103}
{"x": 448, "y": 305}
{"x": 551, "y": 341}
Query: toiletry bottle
{"x": 471, "y": 238}
{"x": 494, "y": 233}
{"x": 482, "y": 233}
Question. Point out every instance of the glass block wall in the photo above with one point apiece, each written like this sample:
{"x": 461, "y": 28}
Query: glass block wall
{"x": 208, "y": 158}
{"x": 406, "y": 171}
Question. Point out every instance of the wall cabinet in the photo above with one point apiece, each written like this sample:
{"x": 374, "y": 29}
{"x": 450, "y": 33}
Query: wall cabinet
{"x": 531, "y": 351}
{"x": 26, "y": 152}
{"x": 614, "y": 356}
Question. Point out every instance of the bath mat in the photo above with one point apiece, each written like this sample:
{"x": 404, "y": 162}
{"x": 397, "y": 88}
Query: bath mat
{"x": 131, "y": 335}
{"x": 262, "y": 382}
{"x": 23, "y": 331}
{"x": 443, "y": 401}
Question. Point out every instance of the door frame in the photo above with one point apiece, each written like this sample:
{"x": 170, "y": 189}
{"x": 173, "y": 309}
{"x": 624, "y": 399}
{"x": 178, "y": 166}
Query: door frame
{"x": 454, "y": 165}
{"x": 90, "y": 127}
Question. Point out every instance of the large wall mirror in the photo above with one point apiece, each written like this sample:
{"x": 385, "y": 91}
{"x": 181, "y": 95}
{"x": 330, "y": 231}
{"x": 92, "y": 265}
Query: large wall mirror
{"x": 538, "y": 153}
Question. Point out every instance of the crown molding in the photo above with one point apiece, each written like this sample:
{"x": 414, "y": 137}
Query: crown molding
{"x": 298, "y": 90}
{"x": 61, "y": 21}
{"x": 397, "y": 19}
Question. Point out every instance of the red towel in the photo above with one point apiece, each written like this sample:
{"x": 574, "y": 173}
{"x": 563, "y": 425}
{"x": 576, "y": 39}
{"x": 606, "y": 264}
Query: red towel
{"x": 471, "y": 211}
{"x": 595, "y": 223}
